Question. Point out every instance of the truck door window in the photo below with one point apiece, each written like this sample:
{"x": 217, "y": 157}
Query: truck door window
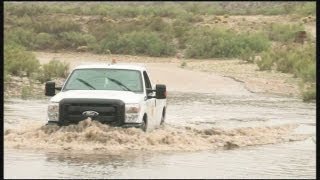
{"x": 146, "y": 80}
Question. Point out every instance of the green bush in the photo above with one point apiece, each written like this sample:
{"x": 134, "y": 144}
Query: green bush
{"x": 190, "y": 17}
{"x": 310, "y": 93}
{"x": 29, "y": 9}
{"x": 53, "y": 69}
{"x": 148, "y": 43}
{"x": 308, "y": 8}
{"x": 183, "y": 64}
{"x": 76, "y": 39}
{"x": 162, "y": 9}
{"x": 17, "y": 61}
{"x": 137, "y": 42}
{"x": 267, "y": 60}
{"x": 6, "y": 77}
{"x": 247, "y": 55}
{"x": 157, "y": 24}
{"x": 39, "y": 26}
{"x": 56, "y": 26}
{"x": 283, "y": 32}
{"x": 305, "y": 62}
{"x": 271, "y": 10}
{"x": 299, "y": 60}
{"x": 26, "y": 92}
{"x": 44, "y": 41}
{"x": 24, "y": 21}
{"x": 21, "y": 36}
{"x": 221, "y": 43}
{"x": 110, "y": 43}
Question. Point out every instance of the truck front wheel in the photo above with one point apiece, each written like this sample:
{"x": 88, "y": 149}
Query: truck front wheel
{"x": 144, "y": 125}
{"x": 163, "y": 116}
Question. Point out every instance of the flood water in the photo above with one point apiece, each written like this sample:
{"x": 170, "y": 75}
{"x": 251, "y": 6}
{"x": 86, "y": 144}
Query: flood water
{"x": 269, "y": 154}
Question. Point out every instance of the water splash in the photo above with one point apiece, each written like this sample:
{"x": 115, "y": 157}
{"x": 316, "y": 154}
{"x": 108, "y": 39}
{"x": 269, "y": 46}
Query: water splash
{"x": 91, "y": 135}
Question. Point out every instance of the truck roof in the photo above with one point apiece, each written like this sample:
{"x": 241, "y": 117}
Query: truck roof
{"x": 131, "y": 66}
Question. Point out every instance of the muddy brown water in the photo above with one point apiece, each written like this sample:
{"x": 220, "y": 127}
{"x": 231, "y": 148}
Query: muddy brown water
{"x": 206, "y": 135}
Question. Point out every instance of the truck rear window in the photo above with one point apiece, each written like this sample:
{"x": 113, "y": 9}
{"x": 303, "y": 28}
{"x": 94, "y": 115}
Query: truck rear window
{"x": 105, "y": 79}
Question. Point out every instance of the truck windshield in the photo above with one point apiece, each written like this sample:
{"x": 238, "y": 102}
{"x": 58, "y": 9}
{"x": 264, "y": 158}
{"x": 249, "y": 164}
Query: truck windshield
{"x": 105, "y": 79}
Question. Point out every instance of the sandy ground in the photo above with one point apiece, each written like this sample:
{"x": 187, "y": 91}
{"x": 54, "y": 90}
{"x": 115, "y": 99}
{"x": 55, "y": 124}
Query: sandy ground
{"x": 254, "y": 80}
{"x": 205, "y": 76}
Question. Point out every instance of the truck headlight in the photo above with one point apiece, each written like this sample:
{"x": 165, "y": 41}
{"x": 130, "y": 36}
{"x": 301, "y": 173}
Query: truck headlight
{"x": 132, "y": 112}
{"x": 132, "y": 108}
{"x": 53, "y": 112}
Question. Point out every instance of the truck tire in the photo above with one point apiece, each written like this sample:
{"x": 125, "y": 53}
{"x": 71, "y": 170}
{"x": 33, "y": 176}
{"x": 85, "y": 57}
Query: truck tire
{"x": 144, "y": 125}
{"x": 163, "y": 116}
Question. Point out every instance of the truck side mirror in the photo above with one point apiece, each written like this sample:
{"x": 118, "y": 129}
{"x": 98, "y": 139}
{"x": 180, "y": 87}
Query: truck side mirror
{"x": 50, "y": 88}
{"x": 161, "y": 91}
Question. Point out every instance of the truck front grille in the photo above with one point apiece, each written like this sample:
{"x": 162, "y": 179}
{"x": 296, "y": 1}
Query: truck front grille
{"x": 110, "y": 111}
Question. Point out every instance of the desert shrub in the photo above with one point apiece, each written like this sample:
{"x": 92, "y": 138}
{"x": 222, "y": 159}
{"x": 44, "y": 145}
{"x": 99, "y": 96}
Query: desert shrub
{"x": 44, "y": 41}
{"x": 305, "y": 62}
{"x": 183, "y": 64}
{"x": 24, "y": 21}
{"x": 189, "y": 17}
{"x": 283, "y": 32}
{"x": 76, "y": 39}
{"x": 148, "y": 43}
{"x": 301, "y": 62}
{"x": 309, "y": 93}
{"x": 26, "y": 91}
{"x": 251, "y": 45}
{"x": 162, "y": 9}
{"x": 26, "y": 9}
{"x": 156, "y": 24}
{"x": 217, "y": 43}
{"x": 136, "y": 42}
{"x": 307, "y": 8}
{"x": 295, "y": 59}
{"x": 171, "y": 10}
{"x": 125, "y": 11}
{"x": 247, "y": 54}
{"x": 110, "y": 43}
{"x": 6, "y": 77}
{"x": 271, "y": 10}
{"x": 99, "y": 30}
{"x": 180, "y": 31}
{"x": 18, "y": 61}
{"x": 53, "y": 69}
{"x": 180, "y": 27}
{"x": 21, "y": 36}
{"x": 215, "y": 9}
{"x": 298, "y": 60}
{"x": 267, "y": 60}
{"x": 56, "y": 26}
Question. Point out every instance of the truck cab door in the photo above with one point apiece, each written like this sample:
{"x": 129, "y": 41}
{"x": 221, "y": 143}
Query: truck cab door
{"x": 150, "y": 101}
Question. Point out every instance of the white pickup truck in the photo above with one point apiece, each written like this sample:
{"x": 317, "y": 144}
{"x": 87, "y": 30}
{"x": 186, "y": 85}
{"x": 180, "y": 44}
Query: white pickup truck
{"x": 114, "y": 94}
